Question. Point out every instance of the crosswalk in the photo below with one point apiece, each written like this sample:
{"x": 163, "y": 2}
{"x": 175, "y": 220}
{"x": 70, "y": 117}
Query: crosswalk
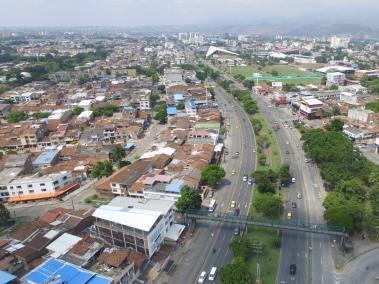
{"x": 337, "y": 278}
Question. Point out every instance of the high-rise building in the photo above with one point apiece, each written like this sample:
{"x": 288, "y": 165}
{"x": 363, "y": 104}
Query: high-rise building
{"x": 339, "y": 42}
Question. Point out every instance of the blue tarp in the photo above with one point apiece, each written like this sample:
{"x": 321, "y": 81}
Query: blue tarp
{"x": 129, "y": 146}
{"x": 6, "y": 277}
{"x": 171, "y": 110}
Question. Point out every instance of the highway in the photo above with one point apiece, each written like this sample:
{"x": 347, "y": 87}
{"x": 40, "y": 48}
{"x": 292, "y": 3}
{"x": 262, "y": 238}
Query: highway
{"x": 311, "y": 253}
{"x": 210, "y": 235}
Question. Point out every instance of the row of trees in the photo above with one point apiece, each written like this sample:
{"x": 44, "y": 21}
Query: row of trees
{"x": 267, "y": 201}
{"x": 249, "y": 105}
{"x": 352, "y": 180}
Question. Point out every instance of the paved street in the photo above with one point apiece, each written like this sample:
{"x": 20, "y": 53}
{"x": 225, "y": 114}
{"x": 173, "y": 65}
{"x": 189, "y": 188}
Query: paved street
{"x": 310, "y": 253}
{"x": 210, "y": 235}
{"x": 363, "y": 270}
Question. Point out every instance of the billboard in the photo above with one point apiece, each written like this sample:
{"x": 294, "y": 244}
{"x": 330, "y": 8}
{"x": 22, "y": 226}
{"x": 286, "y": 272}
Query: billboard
{"x": 277, "y": 84}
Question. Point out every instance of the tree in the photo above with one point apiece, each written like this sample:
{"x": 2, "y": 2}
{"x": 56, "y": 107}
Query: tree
{"x": 236, "y": 273}
{"x": 155, "y": 78}
{"x": 180, "y": 106}
{"x": 334, "y": 87}
{"x": 374, "y": 106}
{"x": 161, "y": 115}
{"x": 323, "y": 81}
{"x": 335, "y": 124}
{"x": 265, "y": 181}
{"x": 161, "y": 88}
{"x": 77, "y": 110}
{"x": 248, "y": 84}
{"x": 117, "y": 153}
{"x": 241, "y": 247}
{"x": 189, "y": 199}
{"x": 16, "y": 116}
{"x": 4, "y": 213}
{"x": 212, "y": 174}
{"x": 268, "y": 204}
{"x": 352, "y": 188}
{"x": 284, "y": 174}
{"x": 257, "y": 125}
{"x": 123, "y": 163}
{"x": 336, "y": 110}
{"x": 102, "y": 169}
{"x": 39, "y": 115}
{"x": 274, "y": 73}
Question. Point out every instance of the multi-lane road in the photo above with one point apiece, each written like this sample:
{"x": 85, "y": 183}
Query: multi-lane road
{"x": 311, "y": 253}
{"x": 209, "y": 245}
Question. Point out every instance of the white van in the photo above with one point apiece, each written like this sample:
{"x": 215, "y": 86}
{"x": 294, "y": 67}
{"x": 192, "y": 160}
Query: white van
{"x": 212, "y": 274}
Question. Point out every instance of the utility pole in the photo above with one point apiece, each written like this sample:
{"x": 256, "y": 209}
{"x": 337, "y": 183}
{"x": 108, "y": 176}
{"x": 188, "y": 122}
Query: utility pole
{"x": 257, "y": 248}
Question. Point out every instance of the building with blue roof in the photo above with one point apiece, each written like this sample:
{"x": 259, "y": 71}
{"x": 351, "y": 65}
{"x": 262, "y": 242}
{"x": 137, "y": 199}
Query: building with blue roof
{"x": 171, "y": 111}
{"x": 6, "y": 278}
{"x": 46, "y": 159}
{"x": 59, "y": 271}
{"x": 178, "y": 98}
{"x": 174, "y": 186}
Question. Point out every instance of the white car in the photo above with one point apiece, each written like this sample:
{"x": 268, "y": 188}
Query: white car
{"x": 212, "y": 274}
{"x": 244, "y": 178}
{"x": 254, "y": 151}
{"x": 299, "y": 196}
{"x": 293, "y": 180}
{"x": 202, "y": 277}
{"x": 250, "y": 181}
{"x": 233, "y": 172}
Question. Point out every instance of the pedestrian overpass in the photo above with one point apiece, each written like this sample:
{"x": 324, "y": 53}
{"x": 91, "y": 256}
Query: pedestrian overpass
{"x": 284, "y": 78}
{"x": 265, "y": 222}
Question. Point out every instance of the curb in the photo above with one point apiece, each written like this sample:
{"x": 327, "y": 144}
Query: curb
{"x": 345, "y": 263}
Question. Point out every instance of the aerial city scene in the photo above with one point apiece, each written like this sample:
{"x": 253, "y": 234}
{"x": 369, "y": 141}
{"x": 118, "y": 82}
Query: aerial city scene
{"x": 175, "y": 142}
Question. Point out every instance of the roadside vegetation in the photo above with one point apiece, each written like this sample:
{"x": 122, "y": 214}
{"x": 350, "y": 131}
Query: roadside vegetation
{"x": 351, "y": 180}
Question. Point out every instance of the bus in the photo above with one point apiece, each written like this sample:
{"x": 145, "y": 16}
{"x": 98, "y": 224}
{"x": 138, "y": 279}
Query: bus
{"x": 212, "y": 205}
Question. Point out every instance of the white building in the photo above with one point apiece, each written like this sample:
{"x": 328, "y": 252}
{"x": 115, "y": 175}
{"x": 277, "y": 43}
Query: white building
{"x": 24, "y": 188}
{"x": 336, "y": 78}
{"x": 144, "y": 103}
{"x": 339, "y": 42}
{"x": 85, "y": 104}
{"x": 17, "y": 97}
{"x": 361, "y": 115}
{"x": 85, "y": 115}
{"x": 349, "y": 98}
{"x": 136, "y": 223}
{"x": 60, "y": 114}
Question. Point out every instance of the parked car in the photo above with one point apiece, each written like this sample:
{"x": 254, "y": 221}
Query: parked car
{"x": 237, "y": 231}
{"x": 294, "y": 205}
{"x": 299, "y": 196}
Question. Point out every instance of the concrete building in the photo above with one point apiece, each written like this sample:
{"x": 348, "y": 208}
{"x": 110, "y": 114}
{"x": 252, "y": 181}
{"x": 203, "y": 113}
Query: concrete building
{"x": 135, "y": 223}
{"x": 144, "y": 103}
{"x": 349, "y": 98}
{"x": 339, "y": 42}
{"x": 336, "y": 78}
{"x": 36, "y": 187}
{"x": 359, "y": 115}
{"x": 311, "y": 108}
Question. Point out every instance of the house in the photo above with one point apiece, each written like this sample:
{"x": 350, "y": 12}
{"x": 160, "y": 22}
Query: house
{"x": 46, "y": 159}
{"x": 144, "y": 103}
{"x": 63, "y": 272}
{"x": 311, "y": 108}
{"x": 138, "y": 224}
{"x": 34, "y": 187}
{"x": 349, "y": 98}
{"x": 360, "y": 115}
{"x": 4, "y": 110}
{"x": 119, "y": 182}
{"x": 336, "y": 78}
{"x": 125, "y": 263}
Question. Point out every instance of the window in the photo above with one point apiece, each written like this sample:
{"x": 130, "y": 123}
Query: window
{"x": 11, "y": 187}
{"x": 41, "y": 184}
{"x": 20, "y": 192}
{"x": 31, "y": 191}
{"x": 19, "y": 186}
{"x": 30, "y": 185}
{"x": 55, "y": 182}
{"x": 64, "y": 178}
{"x": 43, "y": 189}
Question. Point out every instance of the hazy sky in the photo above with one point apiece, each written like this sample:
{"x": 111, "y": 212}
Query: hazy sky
{"x": 167, "y": 12}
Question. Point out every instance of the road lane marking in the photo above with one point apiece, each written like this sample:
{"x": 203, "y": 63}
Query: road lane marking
{"x": 223, "y": 238}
